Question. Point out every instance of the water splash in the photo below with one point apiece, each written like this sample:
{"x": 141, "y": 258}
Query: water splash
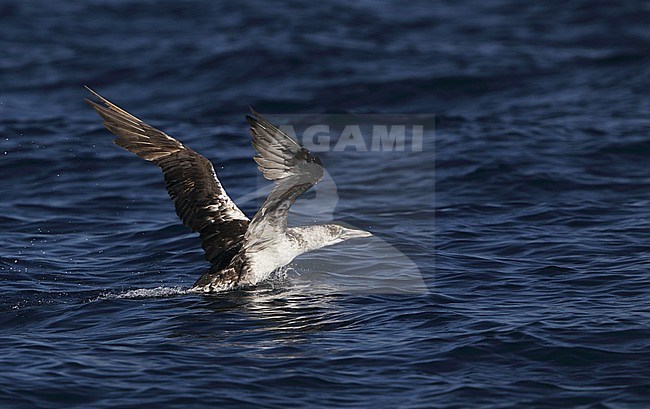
{"x": 144, "y": 293}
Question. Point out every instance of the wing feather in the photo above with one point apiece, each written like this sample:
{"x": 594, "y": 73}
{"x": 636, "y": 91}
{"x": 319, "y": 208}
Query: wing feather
{"x": 200, "y": 201}
{"x": 290, "y": 166}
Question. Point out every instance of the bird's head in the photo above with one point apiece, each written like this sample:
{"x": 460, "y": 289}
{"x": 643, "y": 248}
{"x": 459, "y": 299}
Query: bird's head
{"x": 323, "y": 235}
{"x": 337, "y": 233}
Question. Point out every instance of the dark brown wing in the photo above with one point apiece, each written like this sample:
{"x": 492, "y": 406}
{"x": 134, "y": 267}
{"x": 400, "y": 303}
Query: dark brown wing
{"x": 200, "y": 200}
{"x": 293, "y": 169}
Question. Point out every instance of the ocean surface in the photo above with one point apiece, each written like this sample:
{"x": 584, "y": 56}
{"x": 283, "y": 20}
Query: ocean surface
{"x": 510, "y": 263}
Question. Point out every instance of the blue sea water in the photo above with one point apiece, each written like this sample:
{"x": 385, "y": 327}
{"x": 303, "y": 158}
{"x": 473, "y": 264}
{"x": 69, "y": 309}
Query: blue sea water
{"x": 522, "y": 224}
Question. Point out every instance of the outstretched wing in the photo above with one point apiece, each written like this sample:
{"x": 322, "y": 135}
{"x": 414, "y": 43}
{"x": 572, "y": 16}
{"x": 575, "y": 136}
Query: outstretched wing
{"x": 200, "y": 200}
{"x": 293, "y": 169}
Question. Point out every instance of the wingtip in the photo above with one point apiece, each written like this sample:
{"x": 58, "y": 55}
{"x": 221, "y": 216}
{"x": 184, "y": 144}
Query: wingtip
{"x": 94, "y": 105}
{"x": 256, "y": 119}
{"x": 92, "y": 91}
{"x": 96, "y": 95}
{"x": 252, "y": 121}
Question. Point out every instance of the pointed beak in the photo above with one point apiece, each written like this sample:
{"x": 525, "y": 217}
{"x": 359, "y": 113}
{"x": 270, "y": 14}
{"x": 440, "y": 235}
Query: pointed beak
{"x": 354, "y": 234}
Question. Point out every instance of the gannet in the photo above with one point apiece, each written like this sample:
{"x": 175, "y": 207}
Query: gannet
{"x": 242, "y": 251}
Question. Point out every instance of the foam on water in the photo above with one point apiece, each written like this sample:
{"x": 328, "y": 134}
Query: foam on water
{"x": 144, "y": 293}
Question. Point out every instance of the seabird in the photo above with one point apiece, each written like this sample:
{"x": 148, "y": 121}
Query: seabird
{"x": 242, "y": 251}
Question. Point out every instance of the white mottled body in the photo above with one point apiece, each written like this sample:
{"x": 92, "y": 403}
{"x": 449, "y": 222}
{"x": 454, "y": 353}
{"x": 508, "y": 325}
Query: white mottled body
{"x": 282, "y": 247}
{"x": 262, "y": 263}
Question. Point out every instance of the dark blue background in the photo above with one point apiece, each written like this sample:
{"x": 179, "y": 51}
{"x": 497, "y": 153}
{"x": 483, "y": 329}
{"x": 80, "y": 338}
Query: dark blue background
{"x": 538, "y": 292}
